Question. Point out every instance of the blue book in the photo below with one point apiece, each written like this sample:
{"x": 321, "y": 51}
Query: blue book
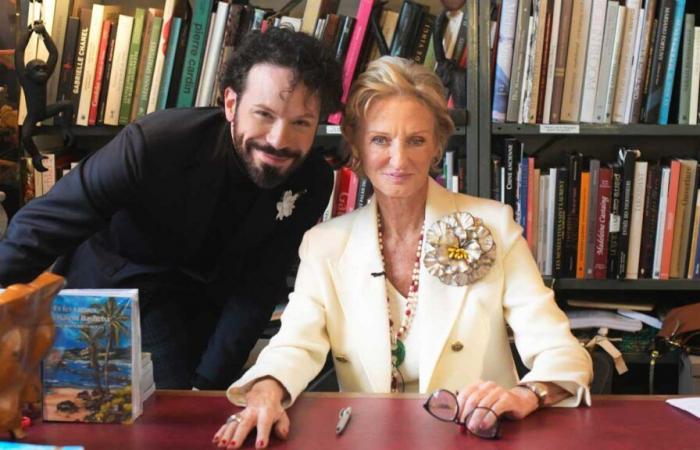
{"x": 673, "y": 49}
{"x": 92, "y": 373}
{"x": 168, "y": 63}
{"x": 522, "y": 194}
{"x": 504, "y": 60}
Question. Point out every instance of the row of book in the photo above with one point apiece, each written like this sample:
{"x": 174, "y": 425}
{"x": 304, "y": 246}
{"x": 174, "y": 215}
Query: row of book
{"x": 119, "y": 64}
{"x": 628, "y": 219}
{"x": 595, "y": 61}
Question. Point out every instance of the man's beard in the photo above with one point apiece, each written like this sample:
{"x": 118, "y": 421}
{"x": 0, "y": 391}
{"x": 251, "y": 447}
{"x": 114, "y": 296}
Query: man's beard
{"x": 264, "y": 175}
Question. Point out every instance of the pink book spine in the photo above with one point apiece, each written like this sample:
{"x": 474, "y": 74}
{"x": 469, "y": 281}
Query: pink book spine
{"x": 364, "y": 10}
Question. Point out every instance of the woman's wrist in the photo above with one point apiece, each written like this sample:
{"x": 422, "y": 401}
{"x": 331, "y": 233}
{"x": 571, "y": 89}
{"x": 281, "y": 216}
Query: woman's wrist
{"x": 270, "y": 385}
{"x": 529, "y": 399}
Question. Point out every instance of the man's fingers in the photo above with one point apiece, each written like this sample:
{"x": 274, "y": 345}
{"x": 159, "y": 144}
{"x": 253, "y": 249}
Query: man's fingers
{"x": 282, "y": 426}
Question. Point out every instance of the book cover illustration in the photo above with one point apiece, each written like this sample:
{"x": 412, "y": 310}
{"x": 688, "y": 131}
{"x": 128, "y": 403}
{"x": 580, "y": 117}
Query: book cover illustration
{"x": 89, "y": 372}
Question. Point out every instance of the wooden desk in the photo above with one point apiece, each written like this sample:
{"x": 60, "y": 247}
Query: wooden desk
{"x": 188, "y": 420}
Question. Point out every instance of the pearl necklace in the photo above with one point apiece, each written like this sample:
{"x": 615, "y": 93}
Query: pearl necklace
{"x": 398, "y": 350}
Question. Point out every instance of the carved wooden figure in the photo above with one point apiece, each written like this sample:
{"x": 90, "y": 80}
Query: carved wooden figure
{"x": 26, "y": 334}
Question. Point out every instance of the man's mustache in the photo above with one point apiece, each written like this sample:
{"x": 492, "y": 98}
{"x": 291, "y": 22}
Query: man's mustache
{"x": 278, "y": 152}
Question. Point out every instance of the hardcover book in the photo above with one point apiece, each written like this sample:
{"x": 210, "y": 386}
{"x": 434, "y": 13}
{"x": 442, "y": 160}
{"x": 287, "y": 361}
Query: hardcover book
{"x": 93, "y": 371}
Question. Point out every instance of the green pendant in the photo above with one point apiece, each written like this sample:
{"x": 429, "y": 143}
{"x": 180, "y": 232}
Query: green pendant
{"x": 398, "y": 353}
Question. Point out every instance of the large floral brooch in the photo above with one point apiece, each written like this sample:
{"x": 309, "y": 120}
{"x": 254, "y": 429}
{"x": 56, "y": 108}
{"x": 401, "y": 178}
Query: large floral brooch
{"x": 460, "y": 249}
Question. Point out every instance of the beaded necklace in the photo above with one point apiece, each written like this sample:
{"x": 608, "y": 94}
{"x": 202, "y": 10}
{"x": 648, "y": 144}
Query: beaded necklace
{"x": 398, "y": 350}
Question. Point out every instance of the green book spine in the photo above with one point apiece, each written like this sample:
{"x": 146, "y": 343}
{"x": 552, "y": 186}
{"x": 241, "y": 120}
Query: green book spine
{"x": 194, "y": 53}
{"x": 150, "y": 64}
{"x": 132, "y": 66}
{"x": 168, "y": 65}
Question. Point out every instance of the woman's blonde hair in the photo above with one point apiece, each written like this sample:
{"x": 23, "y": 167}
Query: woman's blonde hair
{"x": 391, "y": 76}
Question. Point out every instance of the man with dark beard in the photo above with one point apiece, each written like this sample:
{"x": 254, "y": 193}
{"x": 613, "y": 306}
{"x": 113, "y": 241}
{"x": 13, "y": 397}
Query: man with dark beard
{"x": 200, "y": 209}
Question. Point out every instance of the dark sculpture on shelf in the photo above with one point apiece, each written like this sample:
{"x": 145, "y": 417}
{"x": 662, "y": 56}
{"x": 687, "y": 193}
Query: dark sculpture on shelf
{"x": 33, "y": 78}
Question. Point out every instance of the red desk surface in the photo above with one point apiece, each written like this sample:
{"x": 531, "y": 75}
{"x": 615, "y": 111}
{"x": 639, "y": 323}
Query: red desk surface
{"x": 188, "y": 420}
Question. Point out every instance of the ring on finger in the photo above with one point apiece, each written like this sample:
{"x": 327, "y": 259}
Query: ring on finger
{"x": 234, "y": 418}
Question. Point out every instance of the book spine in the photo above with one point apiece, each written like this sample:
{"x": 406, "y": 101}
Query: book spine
{"x": 211, "y": 62}
{"x": 58, "y": 34}
{"x": 635, "y": 62}
{"x": 107, "y": 74}
{"x": 625, "y": 76}
{"x": 99, "y": 72}
{"x": 424, "y": 38}
{"x": 670, "y": 74}
{"x": 151, "y": 50}
{"x": 595, "y": 47}
{"x": 686, "y": 70}
{"x": 686, "y": 186}
{"x": 606, "y": 63}
{"x": 68, "y": 59}
{"x": 651, "y": 113}
{"x": 364, "y": 10}
{"x": 518, "y": 64}
{"x": 572, "y": 214}
{"x": 576, "y": 62}
{"x": 670, "y": 220}
{"x": 85, "y": 19}
{"x": 93, "y": 48}
{"x": 695, "y": 79}
{"x": 693, "y": 266}
{"x": 686, "y": 230}
{"x": 549, "y": 40}
{"x": 635, "y": 236}
{"x": 530, "y": 203}
{"x": 548, "y": 253}
{"x": 132, "y": 66}
{"x": 511, "y": 147}
{"x": 614, "y": 229}
{"x": 561, "y": 59}
{"x": 119, "y": 66}
{"x": 168, "y": 64}
{"x": 642, "y": 71}
{"x": 161, "y": 53}
{"x": 535, "y": 69}
{"x": 558, "y": 268}
{"x": 649, "y": 222}
{"x": 504, "y": 60}
{"x": 602, "y": 223}
{"x": 661, "y": 222}
{"x": 552, "y": 62}
{"x": 628, "y": 164}
{"x": 194, "y": 53}
{"x": 591, "y": 217}
{"x": 583, "y": 224}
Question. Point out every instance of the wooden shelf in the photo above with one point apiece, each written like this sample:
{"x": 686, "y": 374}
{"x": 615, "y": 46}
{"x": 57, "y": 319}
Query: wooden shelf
{"x": 575, "y": 284}
{"x": 505, "y": 129}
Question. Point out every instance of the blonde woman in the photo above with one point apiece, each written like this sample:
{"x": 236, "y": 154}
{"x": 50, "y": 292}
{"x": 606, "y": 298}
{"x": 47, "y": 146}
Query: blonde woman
{"x": 413, "y": 292}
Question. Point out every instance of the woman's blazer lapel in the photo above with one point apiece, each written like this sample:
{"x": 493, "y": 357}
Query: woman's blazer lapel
{"x": 362, "y": 295}
{"x": 439, "y": 305}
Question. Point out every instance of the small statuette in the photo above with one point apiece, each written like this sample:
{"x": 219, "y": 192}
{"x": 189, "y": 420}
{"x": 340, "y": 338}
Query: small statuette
{"x": 285, "y": 206}
{"x": 460, "y": 249}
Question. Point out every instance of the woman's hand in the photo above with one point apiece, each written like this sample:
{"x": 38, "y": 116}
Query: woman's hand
{"x": 515, "y": 403}
{"x": 264, "y": 410}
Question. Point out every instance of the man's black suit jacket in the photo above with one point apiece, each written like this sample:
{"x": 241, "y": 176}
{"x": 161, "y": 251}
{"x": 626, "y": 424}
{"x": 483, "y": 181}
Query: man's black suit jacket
{"x": 143, "y": 204}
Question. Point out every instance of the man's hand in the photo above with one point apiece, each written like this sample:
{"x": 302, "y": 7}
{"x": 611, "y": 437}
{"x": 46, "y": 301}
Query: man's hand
{"x": 264, "y": 410}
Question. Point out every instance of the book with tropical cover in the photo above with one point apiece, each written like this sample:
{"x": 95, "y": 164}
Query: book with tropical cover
{"x": 92, "y": 372}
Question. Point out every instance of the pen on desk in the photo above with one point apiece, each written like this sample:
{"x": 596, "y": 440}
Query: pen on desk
{"x": 343, "y": 419}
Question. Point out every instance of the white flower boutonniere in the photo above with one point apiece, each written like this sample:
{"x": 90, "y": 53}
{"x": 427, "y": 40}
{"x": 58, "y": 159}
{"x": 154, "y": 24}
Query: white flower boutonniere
{"x": 285, "y": 206}
{"x": 460, "y": 249}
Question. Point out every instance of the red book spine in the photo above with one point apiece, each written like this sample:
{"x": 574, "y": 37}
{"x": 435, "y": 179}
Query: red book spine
{"x": 353, "y": 187}
{"x": 99, "y": 73}
{"x": 670, "y": 219}
{"x": 600, "y": 259}
{"x": 341, "y": 202}
{"x": 364, "y": 10}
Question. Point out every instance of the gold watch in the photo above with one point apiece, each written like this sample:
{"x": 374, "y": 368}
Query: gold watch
{"x": 539, "y": 389}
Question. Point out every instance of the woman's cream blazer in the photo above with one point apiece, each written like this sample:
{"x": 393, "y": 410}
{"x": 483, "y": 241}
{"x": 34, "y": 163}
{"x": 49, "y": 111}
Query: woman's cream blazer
{"x": 338, "y": 305}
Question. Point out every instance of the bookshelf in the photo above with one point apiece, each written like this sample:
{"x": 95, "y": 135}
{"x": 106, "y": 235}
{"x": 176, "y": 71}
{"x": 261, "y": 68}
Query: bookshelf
{"x": 550, "y": 143}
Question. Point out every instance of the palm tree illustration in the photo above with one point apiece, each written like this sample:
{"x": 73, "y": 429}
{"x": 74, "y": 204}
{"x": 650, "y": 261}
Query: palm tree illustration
{"x": 115, "y": 325}
{"x": 92, "y": 337}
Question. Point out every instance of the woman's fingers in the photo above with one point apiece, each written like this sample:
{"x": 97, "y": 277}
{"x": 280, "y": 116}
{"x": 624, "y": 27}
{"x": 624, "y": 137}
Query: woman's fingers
{"x": 227, "y": 435}
{"x": 265, "y": 421}
{"x": 243, "y": 429}
{"x": 282, "y": 426}
{"x": 481, "y": 417}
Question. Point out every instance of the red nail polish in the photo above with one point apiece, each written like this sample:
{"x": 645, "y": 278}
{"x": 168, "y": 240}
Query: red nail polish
{"x": 223, "y": 441}
{"x": 233, "y": 443}
{"x": 261, "y": 443}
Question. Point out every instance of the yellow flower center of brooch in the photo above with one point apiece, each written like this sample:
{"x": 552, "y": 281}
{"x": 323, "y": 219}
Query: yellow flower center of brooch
{"x": 457, "y": 253}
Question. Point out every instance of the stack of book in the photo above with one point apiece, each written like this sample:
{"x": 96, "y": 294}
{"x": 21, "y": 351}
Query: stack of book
{"x": 625, "y": 220}
{"x": 596, "y": 61}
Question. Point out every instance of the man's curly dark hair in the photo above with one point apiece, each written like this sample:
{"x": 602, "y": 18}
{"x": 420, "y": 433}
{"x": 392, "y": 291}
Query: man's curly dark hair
{"x": 310, "y": 60}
